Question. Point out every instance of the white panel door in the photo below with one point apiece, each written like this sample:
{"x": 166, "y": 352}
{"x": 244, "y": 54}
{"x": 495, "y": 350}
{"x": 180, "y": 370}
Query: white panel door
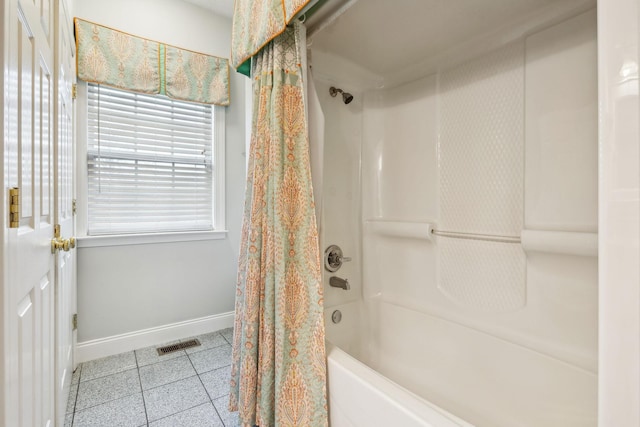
{"x": 64, "y": 166}
{"x": 29, "y": 286}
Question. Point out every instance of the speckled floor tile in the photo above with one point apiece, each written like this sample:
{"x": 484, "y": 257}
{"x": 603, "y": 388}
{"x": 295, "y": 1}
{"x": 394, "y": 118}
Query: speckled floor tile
{"x": 107, "y": 366}
{"x": 200, "y": 416}
{"x": 125, "y": 412}
{"x": 227, "y": 334}
{"x": 207, "y": 341}
{"x": 106, "y": 392}
{"x": 165, "y": 372}
{"x": 175, "y": 397}
{"x": 71, "y": 401}
{"x": 230, "y": 419}
{"x": 149, "y": 355}
{"x": 112, "y": 387}
{"x": 217, "y": 382}
{"x": 211, "y": 359}
{"x": 75, "y": 378}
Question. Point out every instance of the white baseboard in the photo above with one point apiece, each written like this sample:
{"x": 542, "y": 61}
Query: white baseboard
{"x": 102, "y": 347}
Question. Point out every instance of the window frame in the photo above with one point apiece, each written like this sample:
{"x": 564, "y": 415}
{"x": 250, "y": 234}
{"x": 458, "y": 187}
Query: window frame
{"x": 219, "y": 199}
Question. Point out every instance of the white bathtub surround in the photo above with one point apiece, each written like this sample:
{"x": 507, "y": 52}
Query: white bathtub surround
{"x": 558, "y": 314}
{"x": 496, "y": 138}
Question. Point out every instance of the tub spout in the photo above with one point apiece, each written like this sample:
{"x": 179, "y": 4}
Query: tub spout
{"x": 337, "y": 282}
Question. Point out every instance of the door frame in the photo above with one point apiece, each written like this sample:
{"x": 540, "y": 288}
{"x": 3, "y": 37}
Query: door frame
{"x": 618, "y": 213}
{"x": 4, "y": 263}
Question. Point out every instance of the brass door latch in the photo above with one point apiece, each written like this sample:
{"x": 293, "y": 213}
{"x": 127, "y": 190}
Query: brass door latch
{"x": 58, "y": 243}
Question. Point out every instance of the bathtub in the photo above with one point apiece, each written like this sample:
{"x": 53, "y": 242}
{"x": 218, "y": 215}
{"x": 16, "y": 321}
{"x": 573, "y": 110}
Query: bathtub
{"x": 361, "y": 397}
{"x": 390, "y": 365}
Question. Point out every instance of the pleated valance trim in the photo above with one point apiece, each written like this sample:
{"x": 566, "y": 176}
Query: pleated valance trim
{"x": 124, "y": 61}
{"x": 256, "y": 23}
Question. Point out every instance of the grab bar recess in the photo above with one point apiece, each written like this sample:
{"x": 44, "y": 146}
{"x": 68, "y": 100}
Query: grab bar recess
{"x": 541, "y": 241}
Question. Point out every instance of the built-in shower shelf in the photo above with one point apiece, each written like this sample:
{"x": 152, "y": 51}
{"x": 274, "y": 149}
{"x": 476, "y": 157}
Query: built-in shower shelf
{"x": 539, "y": 241}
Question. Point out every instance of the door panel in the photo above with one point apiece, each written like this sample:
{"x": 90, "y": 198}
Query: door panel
{"x": 46, "y": 148}
{"x": 26, "y": 352}
{"x": 26, "y": 55}
{"x": 30, "y": 288}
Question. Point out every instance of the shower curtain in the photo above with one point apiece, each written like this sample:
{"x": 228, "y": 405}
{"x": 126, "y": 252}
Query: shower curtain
{"x": 278, "y": 375}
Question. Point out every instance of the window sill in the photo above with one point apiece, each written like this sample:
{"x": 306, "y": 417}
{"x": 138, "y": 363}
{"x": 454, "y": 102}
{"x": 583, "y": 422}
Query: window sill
{"x": 151, "y": 238}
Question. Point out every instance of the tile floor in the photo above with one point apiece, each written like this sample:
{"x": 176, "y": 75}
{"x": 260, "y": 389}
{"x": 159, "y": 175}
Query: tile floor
{"x": 187, "y": 388}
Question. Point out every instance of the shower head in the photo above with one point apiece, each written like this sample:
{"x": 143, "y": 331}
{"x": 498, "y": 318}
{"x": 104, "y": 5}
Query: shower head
{"x": 346, "y": 96}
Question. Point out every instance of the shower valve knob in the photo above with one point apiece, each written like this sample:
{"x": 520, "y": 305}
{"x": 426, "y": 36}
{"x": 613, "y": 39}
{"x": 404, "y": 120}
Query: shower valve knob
{"x": 333, "y": 258}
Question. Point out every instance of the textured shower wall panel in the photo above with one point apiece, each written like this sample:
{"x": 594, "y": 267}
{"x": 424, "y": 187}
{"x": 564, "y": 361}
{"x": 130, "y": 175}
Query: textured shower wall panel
{"x": 481, "y": 144}
{"x": 488, "y": 276}
{"x": 481, "y": 151}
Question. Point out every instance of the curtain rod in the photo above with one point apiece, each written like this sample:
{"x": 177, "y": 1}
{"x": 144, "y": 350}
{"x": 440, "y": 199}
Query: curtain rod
{"x": 331, "y": 18}
{"x": 305, "y": 9}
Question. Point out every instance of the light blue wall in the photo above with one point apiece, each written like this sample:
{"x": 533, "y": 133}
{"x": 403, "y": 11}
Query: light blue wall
{"x": 124, "y": 289}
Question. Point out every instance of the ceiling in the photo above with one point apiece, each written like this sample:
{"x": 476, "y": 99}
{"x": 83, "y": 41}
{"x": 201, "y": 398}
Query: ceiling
{"x": 385, "y": 36}
{"x": 220, "y": 7}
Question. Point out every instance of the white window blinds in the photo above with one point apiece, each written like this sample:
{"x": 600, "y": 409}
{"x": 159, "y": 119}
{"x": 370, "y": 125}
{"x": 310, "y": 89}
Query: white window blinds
{"x": 149, "y": 162}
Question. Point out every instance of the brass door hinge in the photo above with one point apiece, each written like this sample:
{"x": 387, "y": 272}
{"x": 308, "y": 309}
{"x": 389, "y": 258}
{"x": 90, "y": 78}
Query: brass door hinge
{"x": 14, "y": 207}
{"x": 74, "y": 206}
{"x": 74, "y": 322}
{"x": 74, "y": 91}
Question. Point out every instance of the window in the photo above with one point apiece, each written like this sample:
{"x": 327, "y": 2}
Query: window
{"x": 152, "y": 164}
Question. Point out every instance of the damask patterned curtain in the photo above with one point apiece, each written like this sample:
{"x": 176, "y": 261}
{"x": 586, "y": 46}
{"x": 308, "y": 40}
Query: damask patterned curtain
{"x": 278, "y": 375}
{"x": 256, "y": 23}
{"x": 113, "y": 58}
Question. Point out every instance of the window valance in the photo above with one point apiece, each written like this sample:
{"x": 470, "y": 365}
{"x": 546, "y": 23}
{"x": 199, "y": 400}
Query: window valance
{"x": 121, "y": 60}
{"x": 256, "y": 23}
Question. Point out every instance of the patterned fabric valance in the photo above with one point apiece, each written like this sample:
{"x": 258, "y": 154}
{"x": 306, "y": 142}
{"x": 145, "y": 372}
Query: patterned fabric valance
{"x": 256, "y": 23}
{"x": 117, "y": 59}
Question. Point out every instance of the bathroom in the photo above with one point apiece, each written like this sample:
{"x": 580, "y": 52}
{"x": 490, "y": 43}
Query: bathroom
{"x": 475, "y": 172}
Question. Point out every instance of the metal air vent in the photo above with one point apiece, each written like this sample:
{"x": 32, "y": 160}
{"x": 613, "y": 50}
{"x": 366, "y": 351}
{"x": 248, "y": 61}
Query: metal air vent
{"x": 177, "y": 347}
